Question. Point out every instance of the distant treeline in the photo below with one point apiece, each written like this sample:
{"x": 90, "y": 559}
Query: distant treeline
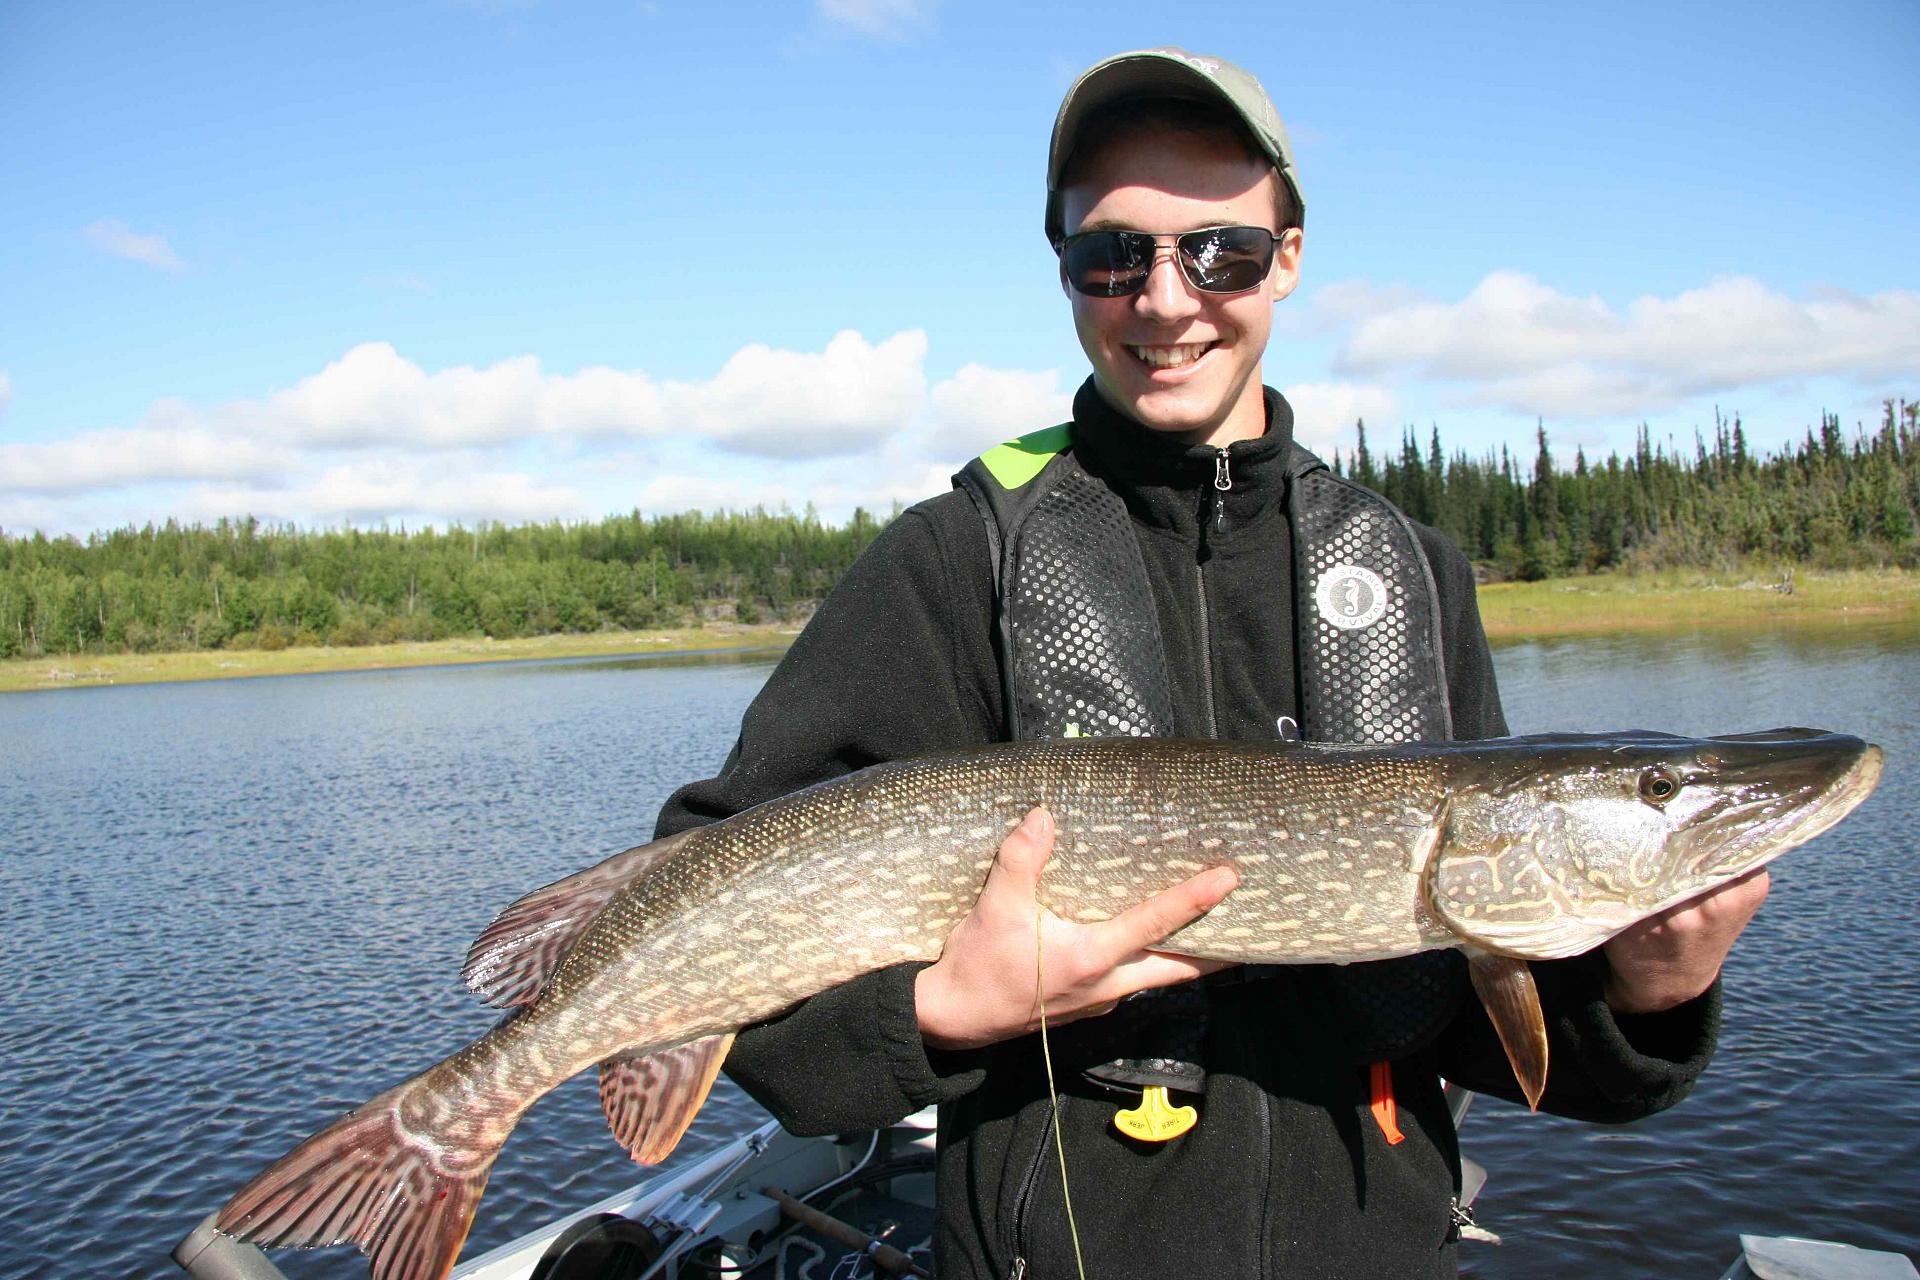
{"x": 1828, "y": 501}
{"x": 242, "y": 584}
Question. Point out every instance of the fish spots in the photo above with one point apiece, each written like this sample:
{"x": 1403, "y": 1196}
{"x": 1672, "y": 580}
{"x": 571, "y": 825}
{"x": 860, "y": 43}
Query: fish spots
{"x": 1347, "y": 842}
{"x": 936, "y": 895}
{"x": 938, "y": 831}
{"x": 1178, "y": 833}
{"x": 1279, "y": 833}
{"x": 1315, "y": 855}
{"x": 1109, "y": 864}
{"x": 1187, "y": 865}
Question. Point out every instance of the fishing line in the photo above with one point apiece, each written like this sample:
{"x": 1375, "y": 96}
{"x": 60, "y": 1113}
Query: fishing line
{"x": 1053, "y": 1094}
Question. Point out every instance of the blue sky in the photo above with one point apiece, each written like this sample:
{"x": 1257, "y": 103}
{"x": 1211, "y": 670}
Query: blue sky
{"x": 439, "y": 261}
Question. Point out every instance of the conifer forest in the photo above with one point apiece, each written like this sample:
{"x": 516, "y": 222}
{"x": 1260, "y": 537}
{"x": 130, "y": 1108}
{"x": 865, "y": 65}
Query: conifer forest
{"x": 1836, "y": 499}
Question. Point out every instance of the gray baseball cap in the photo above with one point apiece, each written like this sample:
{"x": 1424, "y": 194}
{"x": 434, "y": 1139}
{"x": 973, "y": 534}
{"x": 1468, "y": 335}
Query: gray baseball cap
{"x": 1167, "y": 73}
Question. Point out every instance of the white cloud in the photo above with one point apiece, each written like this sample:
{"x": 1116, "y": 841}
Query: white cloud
{"x": 979, "y": 407}
{"x": 110, "y": 235}
{"x": 790, "y": 404}
{"x": 369, "y": 490}
{"x": 153, "y": 451}
{"x": 1522, "y": 345}
{"x": 1323, "y": 412}
{"x": 764, "y": 401}
{"x": 891, "y": 19}
{"x": 375, "y": 436}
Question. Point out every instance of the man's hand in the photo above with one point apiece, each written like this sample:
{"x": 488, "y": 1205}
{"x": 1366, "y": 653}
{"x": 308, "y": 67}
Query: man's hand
{"x": 982, "y": 989}
{"x": 1668, "y": 959}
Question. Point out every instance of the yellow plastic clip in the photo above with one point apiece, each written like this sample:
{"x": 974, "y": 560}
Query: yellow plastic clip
{"x": 1154, "y": 1120}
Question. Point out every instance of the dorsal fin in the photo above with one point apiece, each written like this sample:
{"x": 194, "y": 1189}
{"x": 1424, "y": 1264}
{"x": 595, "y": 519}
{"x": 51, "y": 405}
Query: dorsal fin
{"x": 650, "y": 1099}
{"x": 515, "y": 955}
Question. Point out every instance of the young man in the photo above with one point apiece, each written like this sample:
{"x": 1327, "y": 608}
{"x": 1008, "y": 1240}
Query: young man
{"x": 1170, "y": 563}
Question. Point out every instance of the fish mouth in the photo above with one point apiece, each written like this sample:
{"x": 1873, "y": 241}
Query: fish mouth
{"x": 1783, "y": 787}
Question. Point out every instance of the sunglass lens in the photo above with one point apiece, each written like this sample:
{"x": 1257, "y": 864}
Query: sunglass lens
{"x": 1227, "y": 259}
{"x": 1107, "y": 264}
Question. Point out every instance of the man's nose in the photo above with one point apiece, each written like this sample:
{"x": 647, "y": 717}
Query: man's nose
{"x": 1166, "y": 295}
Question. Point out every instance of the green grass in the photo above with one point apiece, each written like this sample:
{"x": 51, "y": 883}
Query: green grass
{"x": 1513, "y": 611}
{"x": 1697, "y": 600}
{"x": 85, "y": 670}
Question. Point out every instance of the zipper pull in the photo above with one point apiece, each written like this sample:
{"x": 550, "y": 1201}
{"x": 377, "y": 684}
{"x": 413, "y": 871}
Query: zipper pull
{"x": 1222, "y": 484}
{"x": 1018, "y": 1270}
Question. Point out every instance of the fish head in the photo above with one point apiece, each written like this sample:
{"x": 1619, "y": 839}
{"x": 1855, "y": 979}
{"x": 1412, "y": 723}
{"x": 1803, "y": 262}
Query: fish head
{"x": 1559, "y": 843}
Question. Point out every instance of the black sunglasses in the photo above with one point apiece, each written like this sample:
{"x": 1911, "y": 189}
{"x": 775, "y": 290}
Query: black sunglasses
{"x": 1113, "y": 264}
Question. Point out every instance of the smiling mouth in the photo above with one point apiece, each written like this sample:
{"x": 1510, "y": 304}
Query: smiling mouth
{"x": 1170, "y": 357}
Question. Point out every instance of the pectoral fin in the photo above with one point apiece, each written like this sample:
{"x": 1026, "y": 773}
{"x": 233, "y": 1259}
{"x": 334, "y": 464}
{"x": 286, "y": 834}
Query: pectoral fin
{"x": 650, "y": 1099}
{"x": 1505, "y": 986}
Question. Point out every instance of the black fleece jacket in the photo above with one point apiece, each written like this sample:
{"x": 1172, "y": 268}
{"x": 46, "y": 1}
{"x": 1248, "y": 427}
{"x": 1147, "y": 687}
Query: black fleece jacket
{"x": 1287, "y": 1173}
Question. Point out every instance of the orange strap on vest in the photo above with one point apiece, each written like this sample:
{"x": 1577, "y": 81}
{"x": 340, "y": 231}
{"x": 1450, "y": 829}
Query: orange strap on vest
{"x": 1380, "y": 1080}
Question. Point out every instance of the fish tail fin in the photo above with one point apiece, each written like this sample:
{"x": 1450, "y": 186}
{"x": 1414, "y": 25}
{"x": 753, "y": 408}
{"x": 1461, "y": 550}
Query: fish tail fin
{"x": 380, "y": 1177}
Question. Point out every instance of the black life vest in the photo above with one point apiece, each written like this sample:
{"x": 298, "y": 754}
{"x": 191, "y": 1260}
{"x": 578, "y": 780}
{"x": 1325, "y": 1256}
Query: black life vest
{"x": 1081, "y": 654}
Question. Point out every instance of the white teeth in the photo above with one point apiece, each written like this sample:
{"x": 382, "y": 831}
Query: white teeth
{"x": 1171, "y": 357}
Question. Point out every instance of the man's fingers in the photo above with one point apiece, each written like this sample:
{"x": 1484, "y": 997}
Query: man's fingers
{"x": 1141, "y": 927}
{"x": 1159, "y": 969}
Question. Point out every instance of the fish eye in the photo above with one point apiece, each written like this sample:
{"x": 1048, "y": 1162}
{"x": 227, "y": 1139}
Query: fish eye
{"x": 1657, "y": 786}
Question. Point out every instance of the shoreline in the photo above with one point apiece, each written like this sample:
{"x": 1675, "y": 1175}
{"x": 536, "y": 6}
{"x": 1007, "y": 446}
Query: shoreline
{"x": 1514, "y": 612}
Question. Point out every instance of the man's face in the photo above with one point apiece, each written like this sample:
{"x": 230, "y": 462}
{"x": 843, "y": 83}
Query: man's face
{"x": 1172, "y": 357}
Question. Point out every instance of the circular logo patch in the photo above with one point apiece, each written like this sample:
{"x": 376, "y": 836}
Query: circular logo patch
{"x": 1350, "y": 596}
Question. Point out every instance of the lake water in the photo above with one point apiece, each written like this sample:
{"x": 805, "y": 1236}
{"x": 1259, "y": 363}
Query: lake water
{"x": 236, "y": 909}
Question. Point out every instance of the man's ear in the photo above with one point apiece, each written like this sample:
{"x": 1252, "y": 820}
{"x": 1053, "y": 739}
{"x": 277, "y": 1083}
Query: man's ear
{"x": 1286, "y": 263}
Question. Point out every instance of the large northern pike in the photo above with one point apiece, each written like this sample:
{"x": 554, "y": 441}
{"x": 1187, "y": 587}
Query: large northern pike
{"x": 647, "y": 964}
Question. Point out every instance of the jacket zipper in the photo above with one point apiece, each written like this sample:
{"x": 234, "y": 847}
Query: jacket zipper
{"x": 1019, "y": 1267}
{"x": 1222, "y": 484}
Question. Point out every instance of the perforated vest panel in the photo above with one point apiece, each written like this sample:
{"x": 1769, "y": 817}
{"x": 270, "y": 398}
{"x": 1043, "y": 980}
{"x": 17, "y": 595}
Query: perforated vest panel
{"x": 1385, "y": 681}
{"x": 1086, "y": 663}
{"x": 1079, "y": 639}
